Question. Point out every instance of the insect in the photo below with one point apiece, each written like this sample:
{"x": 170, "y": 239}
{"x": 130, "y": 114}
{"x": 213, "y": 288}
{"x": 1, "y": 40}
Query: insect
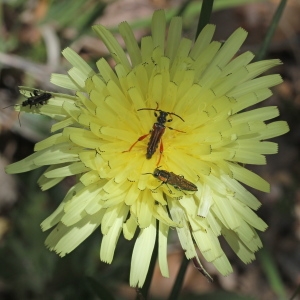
{"x": 36, "y": 98}
{"x": 177, "y": 181}
{"x": 156, "y": 132}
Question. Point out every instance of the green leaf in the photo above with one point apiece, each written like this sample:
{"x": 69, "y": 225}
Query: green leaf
{"x": 266, "y": 43}
{"x": 272, "y": 273}
{"x": 205, "y": 13}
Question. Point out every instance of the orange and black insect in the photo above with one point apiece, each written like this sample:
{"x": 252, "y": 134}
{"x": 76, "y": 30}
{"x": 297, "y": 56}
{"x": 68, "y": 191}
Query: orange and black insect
{"x": 156, "y": 132}
{"x": 177, "y": 181}
{"x": 36, "y": 98}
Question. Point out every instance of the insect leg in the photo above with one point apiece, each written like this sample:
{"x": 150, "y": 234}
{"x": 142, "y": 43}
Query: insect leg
{"x": 179, "y": 189}
{"x": 169, "y": 188}
{"x": 138, "y": 140}
{"x": 159, "y": 186}
{"x": 170, "y": 191}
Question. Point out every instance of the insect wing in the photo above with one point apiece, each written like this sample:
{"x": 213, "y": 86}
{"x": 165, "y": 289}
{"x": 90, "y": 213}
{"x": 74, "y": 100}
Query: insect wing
{"x": 37, "y": 99}
{"x": 182, "y": 183}
{"x": 188, "y": 186}
{"x": 156, "y": 134}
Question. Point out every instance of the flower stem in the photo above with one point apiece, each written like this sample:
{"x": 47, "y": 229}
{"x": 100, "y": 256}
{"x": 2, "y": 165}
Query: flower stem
{"x": 179, "y": 279}
{"x": 270, "y": 268}
{"x": 266, "y": 43}
{"x": 205, "y": 14}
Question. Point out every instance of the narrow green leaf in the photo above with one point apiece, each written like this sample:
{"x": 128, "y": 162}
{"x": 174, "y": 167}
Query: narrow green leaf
{"x": 272, "y": 273}
{"x": 205, "y": 13}
{"x": 266, "y": 43}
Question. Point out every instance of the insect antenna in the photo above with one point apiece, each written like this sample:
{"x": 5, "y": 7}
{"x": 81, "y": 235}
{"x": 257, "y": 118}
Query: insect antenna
{"x": 155, "y": 109}
{"x": 176, "y": 116}
{"x": 148, "y": 109}
{"x": 10, "y": 106}
{"x": 18, "y": 113}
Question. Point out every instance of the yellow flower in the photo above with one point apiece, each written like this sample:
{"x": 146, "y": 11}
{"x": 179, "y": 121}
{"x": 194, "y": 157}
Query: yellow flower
{"x": 204, "y": 90}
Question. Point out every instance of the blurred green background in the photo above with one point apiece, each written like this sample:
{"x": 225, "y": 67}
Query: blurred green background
{"x": 32, "y": 36}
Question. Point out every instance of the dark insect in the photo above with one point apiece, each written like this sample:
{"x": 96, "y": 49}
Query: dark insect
{"x": 156, "y": 132}
{"x": 36, "y": 98}
{"x": 177, "y": 181}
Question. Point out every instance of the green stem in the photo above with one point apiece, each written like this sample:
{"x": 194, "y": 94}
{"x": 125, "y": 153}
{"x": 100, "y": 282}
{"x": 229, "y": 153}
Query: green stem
{"x": 266, "y": 43}
{"x": 271, "y": 271}
{"x": 205, "y": 13}
{"x": 179, "y": 279}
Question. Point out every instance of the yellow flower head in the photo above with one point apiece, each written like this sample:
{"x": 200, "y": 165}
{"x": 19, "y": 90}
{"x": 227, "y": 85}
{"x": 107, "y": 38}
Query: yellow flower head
{"x": 193, "y": 97}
